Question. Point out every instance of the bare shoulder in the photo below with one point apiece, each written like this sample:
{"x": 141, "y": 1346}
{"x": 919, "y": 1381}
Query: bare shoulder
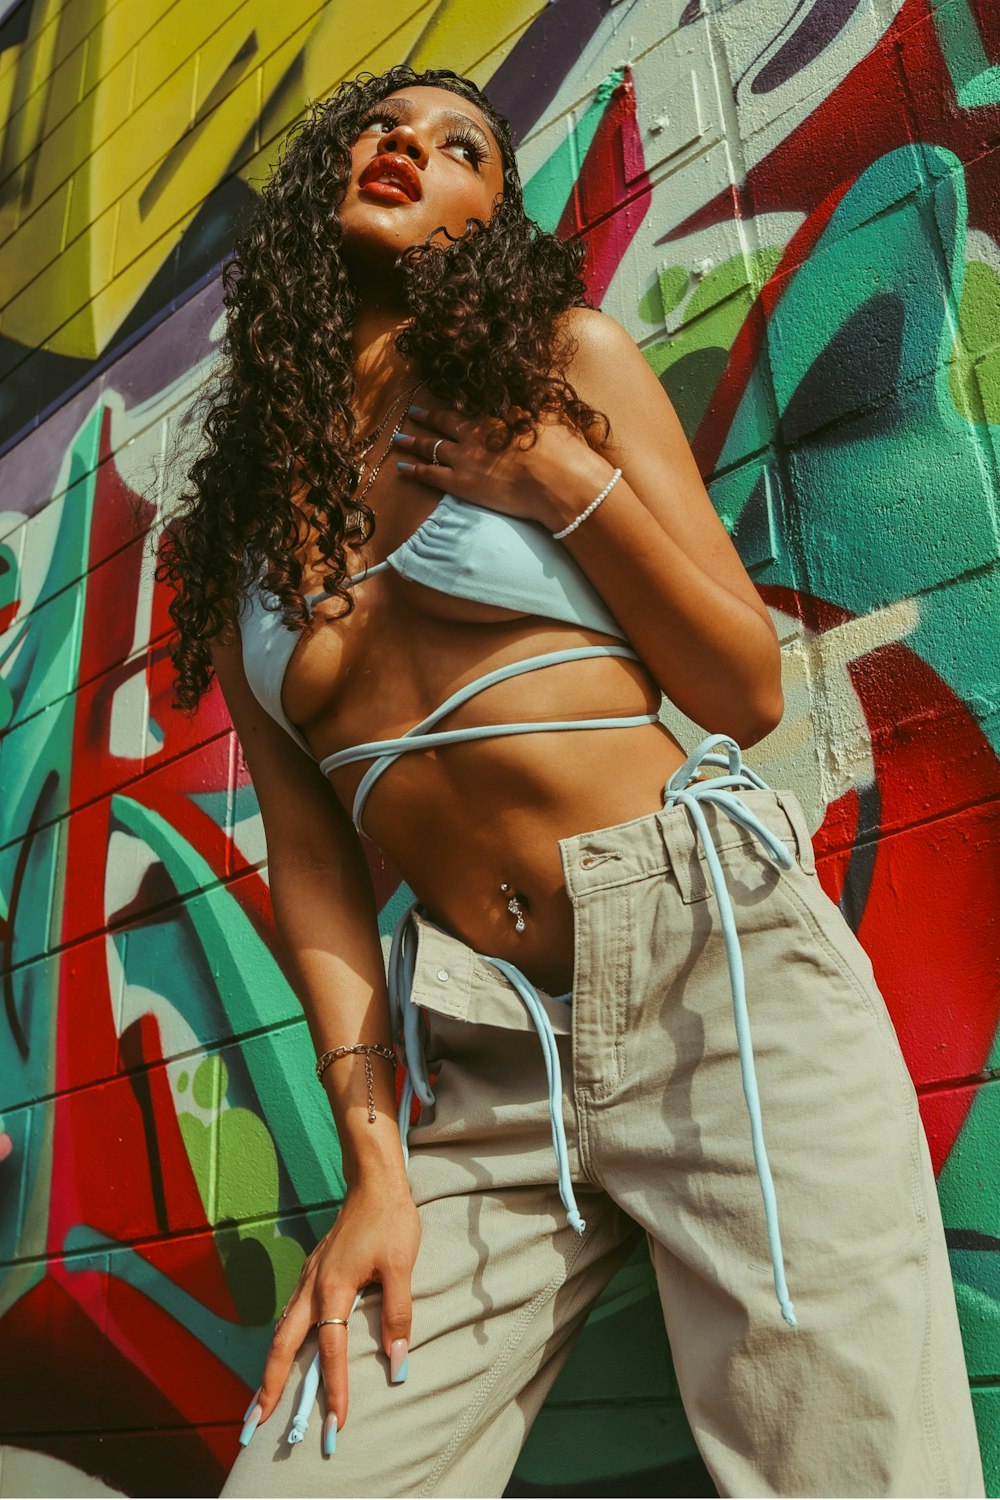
{"x": 609, "y": 371}
{"x": 595, "y": 336}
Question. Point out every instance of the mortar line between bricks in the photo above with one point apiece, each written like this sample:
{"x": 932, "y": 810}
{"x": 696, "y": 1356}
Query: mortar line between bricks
{"x": 234, "y": 1038}
{"x": 29, "y": 1433}
{"x": 177, "y": 1236}
{"x": 133, "y": 781}
{"x": 948, "y": 1085}
{"x": 880, "y": 836}
{"x": 127, "y": 924}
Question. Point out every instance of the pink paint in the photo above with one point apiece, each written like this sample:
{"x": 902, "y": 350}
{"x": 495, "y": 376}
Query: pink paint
{"x": 6, "y": 1145}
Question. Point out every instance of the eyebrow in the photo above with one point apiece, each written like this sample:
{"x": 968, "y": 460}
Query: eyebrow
{"x": 448, "y": 116}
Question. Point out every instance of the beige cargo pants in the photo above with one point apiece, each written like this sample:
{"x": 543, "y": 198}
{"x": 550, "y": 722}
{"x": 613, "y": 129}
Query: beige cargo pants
{"x": 867, "y": 1396}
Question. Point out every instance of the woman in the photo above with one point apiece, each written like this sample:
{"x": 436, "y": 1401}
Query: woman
{"x": 446, "y": 549}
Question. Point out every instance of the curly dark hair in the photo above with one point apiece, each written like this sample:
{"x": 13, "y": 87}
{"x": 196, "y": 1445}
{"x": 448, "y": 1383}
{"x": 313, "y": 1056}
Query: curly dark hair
{"x": 482, "y": 333}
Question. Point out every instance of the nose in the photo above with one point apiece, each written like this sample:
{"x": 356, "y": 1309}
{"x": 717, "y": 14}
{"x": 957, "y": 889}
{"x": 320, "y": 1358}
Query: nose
{"x": 403, "y": 140}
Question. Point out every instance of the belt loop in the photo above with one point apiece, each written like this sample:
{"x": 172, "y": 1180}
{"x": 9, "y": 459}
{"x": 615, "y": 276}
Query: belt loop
{"x": 683, "y": 854}
{"x": 792, "y": 808}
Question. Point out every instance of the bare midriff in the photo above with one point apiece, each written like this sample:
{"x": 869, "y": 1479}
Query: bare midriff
{"x": 469, "y": 825}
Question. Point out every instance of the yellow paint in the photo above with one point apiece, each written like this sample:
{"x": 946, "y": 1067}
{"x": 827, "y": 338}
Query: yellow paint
{"x": 468, "y": 29}
{"x": 185, "y": 94}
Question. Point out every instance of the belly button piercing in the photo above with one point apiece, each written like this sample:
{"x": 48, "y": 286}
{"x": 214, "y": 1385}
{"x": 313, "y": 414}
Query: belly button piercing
{"x": 514, "y": 907}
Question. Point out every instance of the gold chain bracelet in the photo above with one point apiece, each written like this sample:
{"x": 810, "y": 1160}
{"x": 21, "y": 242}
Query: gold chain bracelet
{"x": 332, "y": 1053}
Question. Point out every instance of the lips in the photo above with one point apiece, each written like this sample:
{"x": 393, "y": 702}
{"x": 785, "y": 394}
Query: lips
{"x": 396, "y": 171}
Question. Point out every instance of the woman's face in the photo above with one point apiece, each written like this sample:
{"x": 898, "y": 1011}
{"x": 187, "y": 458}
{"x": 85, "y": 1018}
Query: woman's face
{"x": 425, "y": 157}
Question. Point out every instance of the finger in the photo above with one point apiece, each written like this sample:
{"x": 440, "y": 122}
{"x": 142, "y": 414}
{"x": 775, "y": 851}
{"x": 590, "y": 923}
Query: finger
{"x": 397, "y": 1317}
{"x": 443, "y": 422}
{"x": 438, "y": 476}
{"x": 430, "y": 450}
{"x": 286, "y": 1341}
{"x": 333, "y": 1363}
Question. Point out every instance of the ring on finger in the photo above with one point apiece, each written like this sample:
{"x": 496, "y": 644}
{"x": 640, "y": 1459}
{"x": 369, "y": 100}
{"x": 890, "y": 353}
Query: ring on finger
{"x": 434, "y": 451}
{"x": 323, "y": 1322}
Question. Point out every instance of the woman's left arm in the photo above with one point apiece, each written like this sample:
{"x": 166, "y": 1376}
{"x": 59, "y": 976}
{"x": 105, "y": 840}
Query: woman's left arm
{"x": 655, "y": 549}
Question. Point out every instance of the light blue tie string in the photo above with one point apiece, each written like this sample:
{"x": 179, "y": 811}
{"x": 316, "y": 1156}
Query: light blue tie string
{"x": 406, "y": 1029}
{"x": 405, "y": 1020}
{"x": 719, "y": 792}
{"x": 550, "y": 1052}
{"x": 310, "y": 1389}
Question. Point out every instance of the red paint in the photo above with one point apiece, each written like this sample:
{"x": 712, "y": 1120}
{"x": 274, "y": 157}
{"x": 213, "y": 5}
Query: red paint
{"x": 613, "y": 192}
{"x": 932, "y": 899}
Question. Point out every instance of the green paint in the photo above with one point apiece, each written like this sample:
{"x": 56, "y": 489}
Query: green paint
{"x": 182, "y": 1083}
{"x": 35, "y": 759}
{"x": 974, "y": 376}
{"x": 732, "y": 278}
{"x": 666, "y": 293}
{"x": 969, "y": 1190}
{"x": 986, "y": 1405}
{"x": 247, "y": 1167}
{"x": 622, "y": 1351}
{"x": 969, "y": 1181}
{"x": 673, "y": 282}
{"x": 898, "y": 499}
{"x": 691, "y": 361}
{"x": 548, "y": 190}
{"x": 976, "y": 81}
{"x": 211, "y": 1080}
{"x": 247, "y": 980}
{"x": 234, "y": 1163}
{"x": 198, "y": 1142}
{"x": 979, "y": 1318}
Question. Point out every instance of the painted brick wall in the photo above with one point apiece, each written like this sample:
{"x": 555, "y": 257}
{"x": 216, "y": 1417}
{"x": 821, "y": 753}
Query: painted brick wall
{"x": 795, "y": 210}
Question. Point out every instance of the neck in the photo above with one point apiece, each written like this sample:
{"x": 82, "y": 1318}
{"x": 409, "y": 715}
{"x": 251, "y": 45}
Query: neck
{"x": 381, "y": 372}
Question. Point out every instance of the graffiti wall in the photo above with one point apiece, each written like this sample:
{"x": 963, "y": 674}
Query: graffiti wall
{"x": 795, "y": 209}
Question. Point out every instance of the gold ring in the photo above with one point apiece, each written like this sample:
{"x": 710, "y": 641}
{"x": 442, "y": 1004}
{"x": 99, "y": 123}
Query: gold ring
{"x": 434, "y": 451}
{"x": 323, "y": 1321}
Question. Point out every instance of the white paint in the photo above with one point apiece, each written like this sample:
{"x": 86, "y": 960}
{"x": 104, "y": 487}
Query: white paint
{"x": 128, "y": 861}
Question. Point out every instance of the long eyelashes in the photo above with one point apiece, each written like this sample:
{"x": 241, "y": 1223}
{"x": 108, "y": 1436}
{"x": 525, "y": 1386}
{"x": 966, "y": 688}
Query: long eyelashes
{"x": 464, "y": 137}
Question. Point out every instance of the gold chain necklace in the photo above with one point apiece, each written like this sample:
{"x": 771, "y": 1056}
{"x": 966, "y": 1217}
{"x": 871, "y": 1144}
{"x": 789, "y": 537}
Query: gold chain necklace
{"x": 354, "y": 516}
{"x": 372, "y": 438}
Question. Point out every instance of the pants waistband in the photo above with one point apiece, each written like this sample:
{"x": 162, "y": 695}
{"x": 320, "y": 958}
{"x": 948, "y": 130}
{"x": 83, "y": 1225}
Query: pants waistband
{"x": 666, "y": 842}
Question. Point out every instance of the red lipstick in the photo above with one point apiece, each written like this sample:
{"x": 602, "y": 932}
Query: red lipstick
{"x": 391, "y": 176}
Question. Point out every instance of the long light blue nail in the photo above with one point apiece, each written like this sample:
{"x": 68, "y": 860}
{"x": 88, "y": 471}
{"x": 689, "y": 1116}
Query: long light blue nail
{"x": 330, "y": 1435}
{"x": 399, "y": 1360}
{"x": 250, "y": 1425}
{"x": 253, "y": 1402}
{"x": 417, "y": 411}
{"x": 405, "y": 468}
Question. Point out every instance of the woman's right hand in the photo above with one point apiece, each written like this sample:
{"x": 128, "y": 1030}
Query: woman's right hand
{"x": 374, "y": 1239}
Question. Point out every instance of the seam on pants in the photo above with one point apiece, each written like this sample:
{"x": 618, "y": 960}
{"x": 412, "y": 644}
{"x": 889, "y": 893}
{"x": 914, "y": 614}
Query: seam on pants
{"x": 623, "y": 981}
{"x": 917, "y": 1193}
{"x": 501, "y": 1362}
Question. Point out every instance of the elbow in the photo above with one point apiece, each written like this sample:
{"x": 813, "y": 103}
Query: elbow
{"x": 765, "y": 704}
{"x": 762, "y": 717}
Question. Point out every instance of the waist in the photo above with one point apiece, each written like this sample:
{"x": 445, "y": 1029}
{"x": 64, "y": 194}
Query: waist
{"x": 655, "y": 844}
{"x": 462, "y": 826}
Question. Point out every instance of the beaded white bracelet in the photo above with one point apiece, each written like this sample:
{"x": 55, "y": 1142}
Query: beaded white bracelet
{"x": 557, "y": 536}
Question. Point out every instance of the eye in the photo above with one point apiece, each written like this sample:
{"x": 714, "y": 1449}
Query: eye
{"x": 470, "y": 144}
{"x": 379, "y": 117}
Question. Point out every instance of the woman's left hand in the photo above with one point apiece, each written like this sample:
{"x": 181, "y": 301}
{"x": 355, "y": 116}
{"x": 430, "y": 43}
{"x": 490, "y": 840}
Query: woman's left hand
{"x": 449, "y": 452}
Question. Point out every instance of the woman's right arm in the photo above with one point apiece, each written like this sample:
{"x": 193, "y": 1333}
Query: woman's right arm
{"x": 325, "y": 912}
